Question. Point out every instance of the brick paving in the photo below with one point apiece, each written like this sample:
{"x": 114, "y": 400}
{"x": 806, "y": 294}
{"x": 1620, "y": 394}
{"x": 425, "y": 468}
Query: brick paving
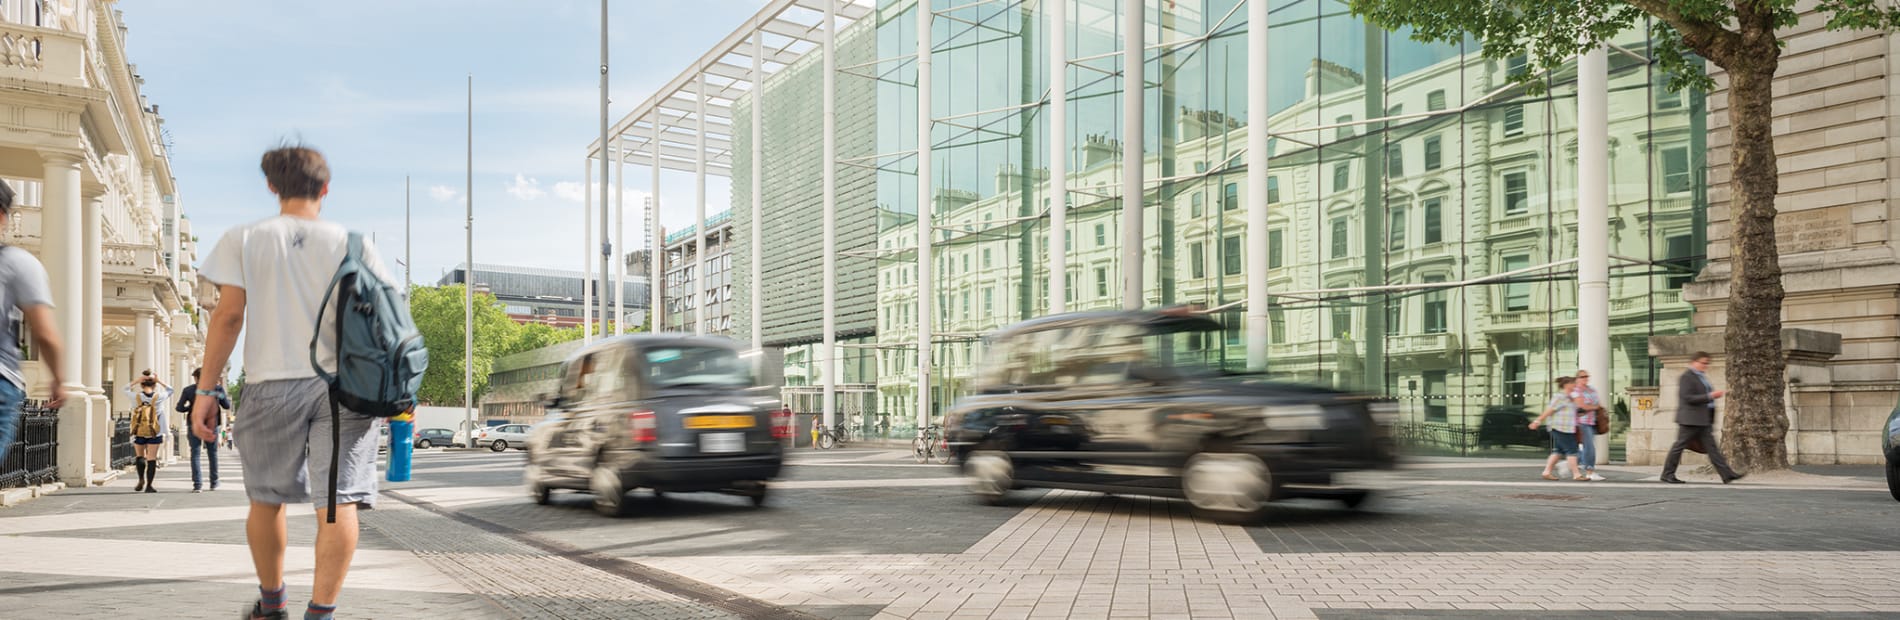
{"x": 868, "y": 534}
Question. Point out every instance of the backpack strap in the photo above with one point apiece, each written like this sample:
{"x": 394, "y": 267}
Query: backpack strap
{"x": 352, "y": 257}
{"x": 346, "y": 275}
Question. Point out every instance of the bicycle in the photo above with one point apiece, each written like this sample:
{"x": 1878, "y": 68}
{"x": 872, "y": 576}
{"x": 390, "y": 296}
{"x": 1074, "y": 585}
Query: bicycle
{"x": 931, "y": 443}
{"x": 829, "y": 438}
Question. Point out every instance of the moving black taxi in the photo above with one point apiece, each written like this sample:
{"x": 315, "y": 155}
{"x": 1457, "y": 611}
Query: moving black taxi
{"x": 1136, "y": 402}
{"x": 663, "y": 412}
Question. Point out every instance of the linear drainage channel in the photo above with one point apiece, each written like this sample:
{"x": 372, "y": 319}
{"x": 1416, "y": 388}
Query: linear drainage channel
{"x": 472, "y": 563}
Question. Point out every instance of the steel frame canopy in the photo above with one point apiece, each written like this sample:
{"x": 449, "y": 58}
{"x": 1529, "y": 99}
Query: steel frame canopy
{"x": 786, "y": 30}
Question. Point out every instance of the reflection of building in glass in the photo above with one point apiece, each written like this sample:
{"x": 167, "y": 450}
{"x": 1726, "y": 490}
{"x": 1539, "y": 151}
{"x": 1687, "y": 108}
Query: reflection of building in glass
{"x": 519, "y": 383}
{"x": 1445, "y": 232}
{"x": 681, "y": 266}
{"x": 551, "y": 296}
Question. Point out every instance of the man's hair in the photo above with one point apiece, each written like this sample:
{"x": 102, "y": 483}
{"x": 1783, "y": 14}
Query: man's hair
{"x": 194, "y": 372}
{"x": 6, "y": 198}
{"x": 296, "y": 171}
{"x": 1699, "y": 356}
{"x": 1564, "y": 382}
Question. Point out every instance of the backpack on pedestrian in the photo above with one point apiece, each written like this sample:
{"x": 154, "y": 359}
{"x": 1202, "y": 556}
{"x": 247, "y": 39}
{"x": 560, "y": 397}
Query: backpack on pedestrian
{"x": 380, "y": 354}
{"x": 145, "y": 419}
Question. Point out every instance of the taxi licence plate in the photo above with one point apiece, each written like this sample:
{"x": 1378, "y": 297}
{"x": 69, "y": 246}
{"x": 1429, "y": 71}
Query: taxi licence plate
{"x": 719, "y": 421}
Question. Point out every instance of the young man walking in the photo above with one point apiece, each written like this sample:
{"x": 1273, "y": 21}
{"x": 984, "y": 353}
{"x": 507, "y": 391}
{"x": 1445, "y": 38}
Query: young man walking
{"x": 23, "y": 290}
{"x": 271, "y": 277}
{"x": 186, "y": 402}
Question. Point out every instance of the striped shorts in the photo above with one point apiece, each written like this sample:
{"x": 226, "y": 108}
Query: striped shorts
{"x": 284, "y": 441}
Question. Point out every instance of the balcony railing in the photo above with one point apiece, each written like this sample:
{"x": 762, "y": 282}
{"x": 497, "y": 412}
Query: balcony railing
{"x": 42, "y": 54}
{"x": 24, "y": 226}
{"x": 124, "y": 259}
{"x": 1422, "y": 343}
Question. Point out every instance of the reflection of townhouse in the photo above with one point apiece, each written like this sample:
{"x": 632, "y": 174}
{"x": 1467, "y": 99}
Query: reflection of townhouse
{"x": 96, "y": 202}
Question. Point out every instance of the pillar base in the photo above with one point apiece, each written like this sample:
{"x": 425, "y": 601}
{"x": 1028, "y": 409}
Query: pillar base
{"x": 101, "y": 416}
{"x": 75, "y": 439}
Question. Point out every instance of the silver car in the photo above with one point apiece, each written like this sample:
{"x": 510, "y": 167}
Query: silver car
{"x": 500, "y": 438}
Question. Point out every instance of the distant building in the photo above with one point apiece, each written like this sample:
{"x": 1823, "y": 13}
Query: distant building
{"x": 518, "y": 382}
{"x": 680, "y": 269}
{"x": 551, "y": 296}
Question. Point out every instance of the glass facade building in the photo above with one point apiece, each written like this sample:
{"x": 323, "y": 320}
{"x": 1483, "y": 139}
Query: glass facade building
{"x": 1422, "y": 237}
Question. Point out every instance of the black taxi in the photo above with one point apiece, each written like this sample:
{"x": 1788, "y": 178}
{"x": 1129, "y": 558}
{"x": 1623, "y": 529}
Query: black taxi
{"x": 1135, "y": 402}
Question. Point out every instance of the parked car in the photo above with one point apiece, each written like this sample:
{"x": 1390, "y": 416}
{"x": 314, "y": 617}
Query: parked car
{"x": 670, "y": 413}
{"x": 1136, "y": 402}
{"x": 1890, "y": 444}
{"x": 501, "y": 438}
{"x": 1507, "y": 425}
{"x": 432, "y": 437}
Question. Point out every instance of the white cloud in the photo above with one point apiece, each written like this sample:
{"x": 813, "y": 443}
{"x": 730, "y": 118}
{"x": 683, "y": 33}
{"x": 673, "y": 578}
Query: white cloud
{"x": 526, "y": 187}
{"x": 570, "y": 191}
{"x": 442, "y": 193}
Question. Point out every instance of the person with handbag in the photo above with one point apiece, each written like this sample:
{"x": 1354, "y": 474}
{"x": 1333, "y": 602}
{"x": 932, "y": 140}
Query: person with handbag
{"x": 1592, "y": 421}
{"x": 1562, "y": 413}
{"x": 1695, "y": 421}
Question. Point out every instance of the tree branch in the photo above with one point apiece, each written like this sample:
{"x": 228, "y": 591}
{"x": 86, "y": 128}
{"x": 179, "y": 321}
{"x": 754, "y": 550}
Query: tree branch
{"x": 1711, "y": 40}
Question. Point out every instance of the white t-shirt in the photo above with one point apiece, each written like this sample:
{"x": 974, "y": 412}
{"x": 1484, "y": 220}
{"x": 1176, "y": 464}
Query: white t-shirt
{"x": 285, "y": 264}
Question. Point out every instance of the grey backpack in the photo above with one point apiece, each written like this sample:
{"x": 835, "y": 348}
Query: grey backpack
{"x": 380, "y": 355}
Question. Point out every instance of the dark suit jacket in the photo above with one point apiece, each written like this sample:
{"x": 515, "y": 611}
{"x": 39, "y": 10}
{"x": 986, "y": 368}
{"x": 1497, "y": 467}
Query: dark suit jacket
{"x": 189, "y": 398}
{"x": 1693, "y": 402}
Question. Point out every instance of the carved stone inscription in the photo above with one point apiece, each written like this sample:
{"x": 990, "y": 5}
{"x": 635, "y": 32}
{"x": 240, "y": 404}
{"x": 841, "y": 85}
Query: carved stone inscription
{"x": 1814, "y": 230}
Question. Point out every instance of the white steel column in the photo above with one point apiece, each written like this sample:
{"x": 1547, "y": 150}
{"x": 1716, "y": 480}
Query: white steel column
{"x": 61, "y": 228}
{"x": 587, "y": 252}
{"x": 656, "y": 290}
{"x": 1593, "y": 221}
{"x": 827, "y": 356}
{"x": 1133, "y": 114}
{"x": 1258, "y": 311}
{"x": 926, "y": 205}
{"x": 1058, "y": 16}
{"x": 700, "y": 274}
{"x": 758, "y": 188}
{"x": 620, "y": 238}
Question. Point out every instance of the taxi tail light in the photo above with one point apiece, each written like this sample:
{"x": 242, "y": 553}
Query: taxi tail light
{"x": 645, "y": 426}
{"x": 781, "y": 425}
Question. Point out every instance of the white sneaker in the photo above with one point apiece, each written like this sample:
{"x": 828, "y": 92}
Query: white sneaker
{"x": 1596, "y": 478}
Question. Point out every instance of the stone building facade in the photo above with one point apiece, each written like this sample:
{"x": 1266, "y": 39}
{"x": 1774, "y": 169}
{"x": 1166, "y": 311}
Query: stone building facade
{"x": 1837, "y": 135}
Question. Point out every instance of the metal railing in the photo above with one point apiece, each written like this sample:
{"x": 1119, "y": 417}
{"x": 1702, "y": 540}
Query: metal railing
{"x": 122, "y": 453}
{"x": 33, "y": 459}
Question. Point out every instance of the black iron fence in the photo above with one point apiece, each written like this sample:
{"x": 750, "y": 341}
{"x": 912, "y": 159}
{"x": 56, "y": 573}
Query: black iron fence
{"x": 122, "y": 453}
{"x": 33, "y": 459}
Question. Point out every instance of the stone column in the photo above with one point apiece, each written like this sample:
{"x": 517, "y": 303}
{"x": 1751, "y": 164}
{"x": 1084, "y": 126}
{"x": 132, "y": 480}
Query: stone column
{"x": 92, "y": 372}
{"x": 63, "y": 253}
{"x": 144, "y": 346}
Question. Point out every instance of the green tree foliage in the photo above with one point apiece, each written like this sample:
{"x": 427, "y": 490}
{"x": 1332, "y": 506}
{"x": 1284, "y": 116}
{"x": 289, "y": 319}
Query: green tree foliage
{"x": 438, "y": 313}
{"x": 1743, "y": 38}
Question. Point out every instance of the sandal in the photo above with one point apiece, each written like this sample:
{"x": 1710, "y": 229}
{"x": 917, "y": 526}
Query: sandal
{"x": 1581, "y": 479}
{"x": 1549, "y": 477}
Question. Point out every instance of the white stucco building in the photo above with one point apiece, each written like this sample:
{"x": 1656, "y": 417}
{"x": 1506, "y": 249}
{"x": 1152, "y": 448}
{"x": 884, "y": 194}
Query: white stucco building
{"x": 96, "y": 201}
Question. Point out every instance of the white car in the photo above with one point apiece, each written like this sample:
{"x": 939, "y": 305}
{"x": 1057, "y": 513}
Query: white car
{"x": 499, "y": 438}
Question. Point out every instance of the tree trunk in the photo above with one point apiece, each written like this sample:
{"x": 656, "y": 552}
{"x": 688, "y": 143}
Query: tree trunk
{"x": 1755, "y": 423}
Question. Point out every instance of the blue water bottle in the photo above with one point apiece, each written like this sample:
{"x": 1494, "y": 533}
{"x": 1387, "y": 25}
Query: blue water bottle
{"x": 402, "y": 445}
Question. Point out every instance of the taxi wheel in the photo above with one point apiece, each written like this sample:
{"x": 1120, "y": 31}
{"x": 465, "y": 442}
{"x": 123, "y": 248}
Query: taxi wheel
{"x": 610, "y": 494}
{"x": 1227, "y": 487}
{"x": 758, "y": 496}
{"x": 541, "y": 493}
{"x": 1355, "y": 498}
{"x": 992, "y": 475}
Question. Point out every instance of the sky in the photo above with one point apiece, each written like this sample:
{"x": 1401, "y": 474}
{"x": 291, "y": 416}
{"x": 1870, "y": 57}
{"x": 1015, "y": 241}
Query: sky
{"x": 379, "y": 87}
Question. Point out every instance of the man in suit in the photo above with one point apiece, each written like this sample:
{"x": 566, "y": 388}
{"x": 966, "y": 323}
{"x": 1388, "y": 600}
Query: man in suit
{"x": 1695, "y": 420}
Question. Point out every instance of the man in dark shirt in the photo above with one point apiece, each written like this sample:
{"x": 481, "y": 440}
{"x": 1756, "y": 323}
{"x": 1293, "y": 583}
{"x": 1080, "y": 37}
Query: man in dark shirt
{"x": 185, "y": 401}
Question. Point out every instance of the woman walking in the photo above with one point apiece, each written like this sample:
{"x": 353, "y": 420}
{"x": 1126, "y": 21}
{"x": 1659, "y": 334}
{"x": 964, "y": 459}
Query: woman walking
{"x": 1589, "y": 409}
{"x": 149, "y": 421}
{"x": 1562, "y": 413}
